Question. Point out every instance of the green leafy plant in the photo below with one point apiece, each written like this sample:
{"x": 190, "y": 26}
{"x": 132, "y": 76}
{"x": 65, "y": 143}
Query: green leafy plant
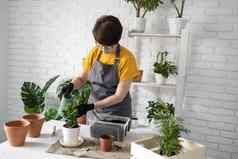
{"x": 170, "y": 131}
{"x": 51, "y": 114}
{"x": 70, "y": 116}
{"x": 179, "y": 8}
{"x": 158, "y": 109}
{"x": 144, "y": 6}
{"x": 163, "y": 66}
{"x": 33, "y": 96}
{"x": 78, "y": 96}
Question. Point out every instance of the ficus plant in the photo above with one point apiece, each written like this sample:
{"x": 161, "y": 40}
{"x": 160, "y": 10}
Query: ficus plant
{"x": 163, "y": 66}
{"x": 142, "y": 7}
{"x": 33, "y": 96}
{"x": 179, "y": 8}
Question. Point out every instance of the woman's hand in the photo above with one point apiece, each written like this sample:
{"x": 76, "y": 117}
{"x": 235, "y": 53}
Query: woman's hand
{"x": 79, "y": 80}
{"x": 121, "y": 92}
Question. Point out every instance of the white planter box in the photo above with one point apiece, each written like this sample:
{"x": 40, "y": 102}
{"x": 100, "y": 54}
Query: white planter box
{"x": 142, "y": 150}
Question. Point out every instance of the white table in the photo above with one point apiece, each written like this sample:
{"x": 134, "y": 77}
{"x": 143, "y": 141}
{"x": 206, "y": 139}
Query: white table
{"x": 35, "y": 148}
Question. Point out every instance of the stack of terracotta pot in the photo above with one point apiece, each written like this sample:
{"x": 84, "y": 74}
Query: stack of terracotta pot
{"x": 17, "y": 130}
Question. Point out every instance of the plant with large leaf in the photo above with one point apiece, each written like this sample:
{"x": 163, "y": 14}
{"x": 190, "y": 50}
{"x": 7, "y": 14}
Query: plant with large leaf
{"x": 33, "y": 96}
{"x": 144, "y": 6}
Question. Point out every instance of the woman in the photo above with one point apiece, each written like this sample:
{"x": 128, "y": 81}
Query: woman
{"x": 110, "y": 68}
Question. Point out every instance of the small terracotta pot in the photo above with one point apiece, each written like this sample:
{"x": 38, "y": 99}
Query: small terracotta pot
{"x": 105, "y": 143}
{"x": 16, "y": 131}
{"x": 36, "y": 121}
{"x": 82, "y": 119}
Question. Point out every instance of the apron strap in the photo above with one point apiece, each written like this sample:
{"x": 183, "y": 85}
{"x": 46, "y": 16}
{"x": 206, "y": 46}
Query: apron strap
{"x": 117, "y": 58}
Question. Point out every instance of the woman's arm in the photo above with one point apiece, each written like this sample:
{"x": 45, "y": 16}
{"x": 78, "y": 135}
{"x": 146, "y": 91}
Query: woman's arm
{"x": 79, "y": 79}
{"x": 121, "y": 92}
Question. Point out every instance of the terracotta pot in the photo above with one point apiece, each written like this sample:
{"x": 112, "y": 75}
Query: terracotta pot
{"x": 36, "y": 121}
{"x": 82, "y": 119}
{"x": 16, "y": 131}
{"x": 105, "y": 143}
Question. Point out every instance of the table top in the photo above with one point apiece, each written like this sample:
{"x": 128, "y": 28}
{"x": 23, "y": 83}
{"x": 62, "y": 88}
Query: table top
{"x": 35, "y": 148}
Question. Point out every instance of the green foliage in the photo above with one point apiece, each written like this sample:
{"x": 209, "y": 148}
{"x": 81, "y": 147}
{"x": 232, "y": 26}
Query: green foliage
{"x": 179, "y": 8}
{"x": 163, "y": 66}
{"x": 70, "y": 115}
{"x": 77, "y": 97}
{"x": 51, "y": 114}
{"x": 170, "y": 131}
{"x": 145, "y": 6}
{"x": 33, "y": 96}
{"x": 159, "y": 109}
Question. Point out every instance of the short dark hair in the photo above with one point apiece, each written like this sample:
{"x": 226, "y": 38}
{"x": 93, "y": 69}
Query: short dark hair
{"x": 107, "y": 30}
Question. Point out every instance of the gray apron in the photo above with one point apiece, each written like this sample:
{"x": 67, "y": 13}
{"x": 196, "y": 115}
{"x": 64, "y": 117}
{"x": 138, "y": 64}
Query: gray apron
{"x": 104, "y": 79}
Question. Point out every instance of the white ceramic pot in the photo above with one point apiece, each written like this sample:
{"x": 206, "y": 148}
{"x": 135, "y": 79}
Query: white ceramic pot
{"x": 176, "y": 25}
{"x": 70, "y": 135}
{"x": 159, "y": 79}
{"x": 139, "y": 25}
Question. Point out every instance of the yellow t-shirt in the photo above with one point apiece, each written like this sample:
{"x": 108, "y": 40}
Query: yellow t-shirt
{"x": 127, "y": 67}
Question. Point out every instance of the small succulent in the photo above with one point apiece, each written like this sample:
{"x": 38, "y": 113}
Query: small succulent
{"x": 163, "y": 66}
{"x": 33, "y": 96}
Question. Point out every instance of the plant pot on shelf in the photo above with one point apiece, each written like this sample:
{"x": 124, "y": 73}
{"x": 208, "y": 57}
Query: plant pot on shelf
{"x": 36, "y": 121}
{"x": 16, "y": 131}
{"x": 139, "y": 25}
{"x": 70, "y": 135}
{"x": 82, "y": 119}
{"x": 176, "y": 25}
{"x": 159, "y": 79}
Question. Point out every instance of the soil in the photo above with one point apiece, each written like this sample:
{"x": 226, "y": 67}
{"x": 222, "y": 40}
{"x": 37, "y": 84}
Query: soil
{"x": 151, "y": 143}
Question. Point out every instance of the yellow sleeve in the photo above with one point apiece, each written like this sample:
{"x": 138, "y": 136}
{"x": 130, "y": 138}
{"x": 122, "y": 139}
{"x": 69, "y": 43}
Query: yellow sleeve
{"x": 89, "y": 59}
{"x": 128, "y": 69}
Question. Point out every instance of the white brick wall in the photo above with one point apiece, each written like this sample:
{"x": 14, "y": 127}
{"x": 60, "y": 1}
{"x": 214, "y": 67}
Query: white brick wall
{"x": 3, "y": 63}
{"x": 51, "y": 37}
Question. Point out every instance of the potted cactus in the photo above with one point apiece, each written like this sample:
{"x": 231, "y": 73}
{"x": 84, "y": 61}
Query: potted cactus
{"x": 33, "y": 97}
{"x": 176, "y": 24}
{"x": 142, "y": 7}
{"x": 71, "y": 128}
{"x": 163, "y": 68}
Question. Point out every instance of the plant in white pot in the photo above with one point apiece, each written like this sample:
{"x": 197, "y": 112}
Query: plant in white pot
{"x": 163, "y": 68}
{"x": 176, "y": 24}
{"x": 70, "y": 129}
{"x": 142, "y": 7}
{"x": 154, "y": 110}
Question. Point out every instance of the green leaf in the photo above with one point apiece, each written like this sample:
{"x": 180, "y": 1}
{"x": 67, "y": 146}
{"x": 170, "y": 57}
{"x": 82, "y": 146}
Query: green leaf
{"x": 48, "y": 84}
{"x": 51, "y": 114}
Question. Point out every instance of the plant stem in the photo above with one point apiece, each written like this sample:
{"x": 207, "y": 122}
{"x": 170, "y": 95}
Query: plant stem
{"x": 177, "y": 10}
{"x": 143, "y": 16}
{"x": 182, "y": 8}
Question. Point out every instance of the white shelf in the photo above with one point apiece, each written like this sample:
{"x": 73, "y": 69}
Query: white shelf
{"x": 153, "y": 84}
{"x": 133, "y": 34}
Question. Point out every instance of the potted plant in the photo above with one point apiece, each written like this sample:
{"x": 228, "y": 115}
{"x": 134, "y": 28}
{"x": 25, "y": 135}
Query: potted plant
{"x": 155, "y": 109}
{"x": 169, "y": 144}
{"x": 176, "y": 24}
{"x": 70, "y": 129}
{"x": 79, "y": 96}
{"x": 142, "y": 7}
{"x": 33, "y": 97}
{"x": 163, "y": 68}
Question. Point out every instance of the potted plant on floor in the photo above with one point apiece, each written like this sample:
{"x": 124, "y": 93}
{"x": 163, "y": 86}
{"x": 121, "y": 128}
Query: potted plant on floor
{"x": 71, "y": 128}
{"x": 155, "y": 109}
{"x": 79, "y": 96}
{"x": 163, "y": 68}
{"x": 142, "y": 7}
{"x": 176, "y": 24}
{"x": 33, "y": 97}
